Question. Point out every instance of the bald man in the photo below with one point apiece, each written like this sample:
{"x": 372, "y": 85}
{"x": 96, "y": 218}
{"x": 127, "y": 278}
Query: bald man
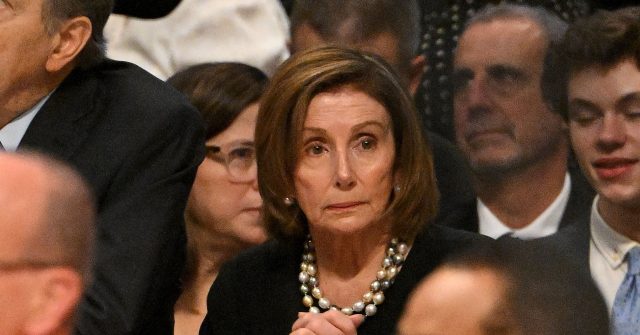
{"x": 506, "y": 289}
{"x": 46, "y": 241}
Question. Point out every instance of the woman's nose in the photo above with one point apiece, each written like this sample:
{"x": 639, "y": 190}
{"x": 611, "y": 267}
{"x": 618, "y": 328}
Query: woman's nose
{"x": 345, "y": 177}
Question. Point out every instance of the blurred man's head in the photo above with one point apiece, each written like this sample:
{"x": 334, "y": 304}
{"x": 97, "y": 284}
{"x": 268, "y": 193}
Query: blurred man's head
{"x": 503, "y": 122}
{"x": 388, "y": 28}
{"x": 499, "y": 290}
{"x": 46, "y": 238}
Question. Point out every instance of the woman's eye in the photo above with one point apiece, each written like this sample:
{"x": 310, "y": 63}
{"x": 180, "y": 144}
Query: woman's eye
{"x": 244, "y": 153}
{"x": 315, "y": 149}
{"x": 367, "y": 143}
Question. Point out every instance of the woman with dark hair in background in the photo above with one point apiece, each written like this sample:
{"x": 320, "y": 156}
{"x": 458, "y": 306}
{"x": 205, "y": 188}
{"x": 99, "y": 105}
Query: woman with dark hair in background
{"x": 223, "y": 212}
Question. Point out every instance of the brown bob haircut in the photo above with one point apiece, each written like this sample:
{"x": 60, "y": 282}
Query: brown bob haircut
{"x": 279, "y": 130}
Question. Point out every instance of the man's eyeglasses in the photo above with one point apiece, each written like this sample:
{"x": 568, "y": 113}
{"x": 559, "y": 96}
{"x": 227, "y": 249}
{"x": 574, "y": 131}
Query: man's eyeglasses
{"x": 238, "y": 158}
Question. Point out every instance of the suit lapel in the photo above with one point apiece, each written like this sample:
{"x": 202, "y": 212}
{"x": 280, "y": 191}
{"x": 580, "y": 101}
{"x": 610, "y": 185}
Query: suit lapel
{"x": 64, "y": 121}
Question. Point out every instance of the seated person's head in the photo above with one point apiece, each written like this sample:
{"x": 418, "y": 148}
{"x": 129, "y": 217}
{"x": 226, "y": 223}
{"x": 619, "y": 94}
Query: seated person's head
{"x": 317, "y": 97}
{"x": 224, "y": 201}
{"x": 497, "y": 290}
{"x": 42, "y": 41}
{"x": 502, "y": 119}
{"x": 46, "y": 242}
{"x": 600, "y": 96}
{"x": 388, "y": 28}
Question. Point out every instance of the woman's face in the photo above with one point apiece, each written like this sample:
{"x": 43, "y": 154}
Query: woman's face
{"x": 344, "y": 173}
{"x": 221, "y": 202}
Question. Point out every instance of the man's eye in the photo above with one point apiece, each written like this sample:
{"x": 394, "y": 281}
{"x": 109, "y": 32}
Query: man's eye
{"x": 461, "y": 79}
{"x": 505, "y": 75}
{"x": 582, "y": 116}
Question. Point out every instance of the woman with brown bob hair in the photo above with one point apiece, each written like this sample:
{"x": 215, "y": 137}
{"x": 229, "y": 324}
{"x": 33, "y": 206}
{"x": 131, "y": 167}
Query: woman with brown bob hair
{"x": 347, "y": 183}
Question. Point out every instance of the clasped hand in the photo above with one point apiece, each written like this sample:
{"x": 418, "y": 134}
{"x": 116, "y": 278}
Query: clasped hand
{"x": 327, "y": 323}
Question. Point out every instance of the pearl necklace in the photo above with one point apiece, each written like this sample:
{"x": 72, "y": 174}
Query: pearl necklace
{"x": 391, "y": 265}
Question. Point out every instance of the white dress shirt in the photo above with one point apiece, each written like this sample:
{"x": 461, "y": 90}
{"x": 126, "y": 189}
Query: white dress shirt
{"x": 12, "y": 133}
{"x": 607, "y": 252}
{"x": 545, "y": 224}
{"x": 253, "y": 32}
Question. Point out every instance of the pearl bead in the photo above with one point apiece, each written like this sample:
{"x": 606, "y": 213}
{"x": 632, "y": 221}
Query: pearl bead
{"x": 387, "y": 262}
{"x": 304, "y": 289}
{"x": 367, "y": 297}
{"x": 311, "y": 269}
{"x": 303, "y": 277}
{"x": 386, "y": 284}
{"x": 397, "y": 260}
{"x": 392, "y": 271}
{"x": 370, "y": 310}
{"x": 303, "y": 267}
{"x": 381, "y": 274}
{"x": 313, "y": 281}
{"x": 358, "y": 306}
{"x": 333, "y": 308}
{"x": 375, "y": 286}
{"x": 324, "y": 303}
{"x": 378, "y": 298}
{"x": 314, "y": 310}
{"x": 403, "y": 248}
{"x": 391, "y": 251}
{"x": 347, "y": 311}
{"x": 307, "y": 301}
{"x": 316, "y": 292}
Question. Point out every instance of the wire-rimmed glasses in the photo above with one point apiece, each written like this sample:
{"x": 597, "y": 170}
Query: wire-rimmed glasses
{"x": 238, "y": 157}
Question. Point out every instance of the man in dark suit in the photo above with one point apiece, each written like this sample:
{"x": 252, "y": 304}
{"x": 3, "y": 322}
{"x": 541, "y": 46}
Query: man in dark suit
{"x": 515, "y": 144}
{"x": 599, "y": 92}
{"x": 135, "y": 140}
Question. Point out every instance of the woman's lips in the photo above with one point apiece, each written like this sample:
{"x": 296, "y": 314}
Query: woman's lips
{"x": 344, "y": 205}
{"x": 614, "y": 167}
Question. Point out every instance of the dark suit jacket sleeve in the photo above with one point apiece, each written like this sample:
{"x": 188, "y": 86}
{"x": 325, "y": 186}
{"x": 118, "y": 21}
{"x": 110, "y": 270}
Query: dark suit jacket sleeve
{"x": 141, "y": 249}
{"x": 138, "y": 144}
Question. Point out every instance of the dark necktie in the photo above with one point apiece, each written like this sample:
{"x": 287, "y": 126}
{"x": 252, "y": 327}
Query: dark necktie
{"x": 626, "y": 306}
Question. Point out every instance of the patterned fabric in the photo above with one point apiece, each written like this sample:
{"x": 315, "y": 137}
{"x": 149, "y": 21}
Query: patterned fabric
{"x": 625, "y": 317}
{"x": 442, "y": 23}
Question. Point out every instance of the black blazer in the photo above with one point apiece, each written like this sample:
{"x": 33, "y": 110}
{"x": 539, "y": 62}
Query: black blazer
{"x": 259, "y": 292}
{"x": 577, "y": 212}
{"x": 138, "y": 143}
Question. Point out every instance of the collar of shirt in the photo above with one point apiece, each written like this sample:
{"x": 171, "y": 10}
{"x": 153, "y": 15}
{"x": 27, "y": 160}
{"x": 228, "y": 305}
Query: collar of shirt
{"x": 545, "y": 224}
{"x": 11, "y": 135}
{"x": 612, "y": 245}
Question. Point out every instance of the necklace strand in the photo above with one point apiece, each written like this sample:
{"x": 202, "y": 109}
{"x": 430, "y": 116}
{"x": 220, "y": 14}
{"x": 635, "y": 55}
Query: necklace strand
{"x": 310, "y": 287}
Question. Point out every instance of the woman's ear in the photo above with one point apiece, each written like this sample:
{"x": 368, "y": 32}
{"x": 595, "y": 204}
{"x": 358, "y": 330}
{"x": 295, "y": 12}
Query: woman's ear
{"x": 68, "y": 41}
